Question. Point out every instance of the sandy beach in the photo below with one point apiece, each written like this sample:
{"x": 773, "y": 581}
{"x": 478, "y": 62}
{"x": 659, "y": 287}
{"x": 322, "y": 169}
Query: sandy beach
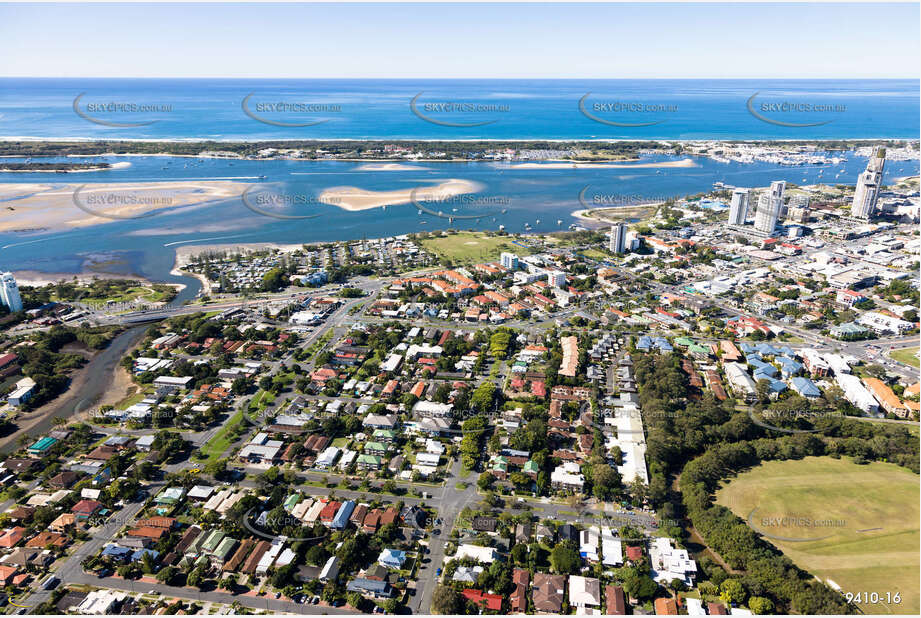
{"x": 354, "y": 199}
{"x": 388, "y": 167}
{"x": 35, "y": 278}
{"x": 45, "y": 207}
{"x": 576, "y": 165}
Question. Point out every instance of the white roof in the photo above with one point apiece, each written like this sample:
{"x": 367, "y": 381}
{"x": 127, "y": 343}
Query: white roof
{"x": 475, "y": 552}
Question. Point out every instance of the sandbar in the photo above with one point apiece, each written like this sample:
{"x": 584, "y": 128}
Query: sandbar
{"x": 388, "y": 167}
{"x": 354, "y": 199}
{"x": 32, "y": 207}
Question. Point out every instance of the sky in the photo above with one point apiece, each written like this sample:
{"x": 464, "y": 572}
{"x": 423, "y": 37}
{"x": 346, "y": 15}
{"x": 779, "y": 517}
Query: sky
{"x": 461, "y": 41}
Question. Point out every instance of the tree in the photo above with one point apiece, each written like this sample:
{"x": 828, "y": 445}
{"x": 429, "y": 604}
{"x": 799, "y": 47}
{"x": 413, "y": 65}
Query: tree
{"x": 446, "y": 600}
{"x": 761, "y": 605}
{"x": 732, "y": 591}
{"x": 166, "y": 575}
{"x": 565, "y": 559}
{"x": 640, "y": 587}
{"x": 216, "y": 468}
{"x": 605, "y": 481}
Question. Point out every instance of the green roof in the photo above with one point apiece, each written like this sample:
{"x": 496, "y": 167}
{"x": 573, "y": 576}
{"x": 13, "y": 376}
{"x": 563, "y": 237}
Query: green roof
{"x": 684, "y": 341}
{"x": 530, "y": 466}
{"x": 43, "y": 445}
{"x": 385, "y": 433}
{"x": 291, "y": 500}
{"x": 698, "y": 349}
{"x": 375, "y": 446}
{"x": 226, "y": 547}
{"x": 214, "y": 539}
{"x": 369, "y": 459}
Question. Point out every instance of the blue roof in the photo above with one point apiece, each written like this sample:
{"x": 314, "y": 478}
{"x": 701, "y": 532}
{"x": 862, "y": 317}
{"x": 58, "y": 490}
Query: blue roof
{"x": 776, "y": 386}
{"x": 763, "y": 368}
{"x": 644, "y": 343}
{"x": 138, "y": 555}
{"x": 116, "y": 550}
{"x": 662, "y": 344}
{"x": 361, "y": 584}
{"x": 805, "y": 387}
{"x": 788, "y": 366}
{"x": 746, "y": 348}
{"x": 392, "y": 556}
{"x": 341, "y": 520}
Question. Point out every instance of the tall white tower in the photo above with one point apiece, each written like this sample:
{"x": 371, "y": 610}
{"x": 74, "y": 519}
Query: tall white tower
{"x": 618, "y": 240}
{"x": 770, "y": 203}
{"x": 738, "y": 208}
{"x": 868, "y": 185}
{"x": 9, "y": 292}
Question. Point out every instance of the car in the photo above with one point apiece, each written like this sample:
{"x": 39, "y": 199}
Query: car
{"x": 315, "y": 600}
{"x": 438, "y": 571}
{"x": 277, "y": 595}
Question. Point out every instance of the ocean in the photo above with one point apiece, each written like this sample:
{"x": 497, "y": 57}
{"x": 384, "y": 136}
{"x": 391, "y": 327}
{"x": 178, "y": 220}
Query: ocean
{"x": 185, "y": 109}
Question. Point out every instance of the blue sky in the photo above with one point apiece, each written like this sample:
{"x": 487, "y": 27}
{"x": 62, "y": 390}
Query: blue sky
{"x": 457, "y": 41}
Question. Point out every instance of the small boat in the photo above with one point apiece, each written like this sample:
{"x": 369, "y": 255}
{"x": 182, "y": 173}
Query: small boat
{"x": 559, "y": 222}
{"x": 501, "y": 228}
{"x": 537, "y": 222}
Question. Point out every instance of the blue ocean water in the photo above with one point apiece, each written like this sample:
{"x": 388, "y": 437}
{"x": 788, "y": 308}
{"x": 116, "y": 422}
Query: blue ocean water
{"x": 458, "y": 109}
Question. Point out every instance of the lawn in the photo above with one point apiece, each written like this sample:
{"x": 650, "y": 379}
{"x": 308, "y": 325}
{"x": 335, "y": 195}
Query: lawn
{"x": 472, "y": 247}
{"x": 221, "y": 441}
{"x": 855, "y": 525}
{"x": 596, "y": 254}
{"x": 906, "y": 356}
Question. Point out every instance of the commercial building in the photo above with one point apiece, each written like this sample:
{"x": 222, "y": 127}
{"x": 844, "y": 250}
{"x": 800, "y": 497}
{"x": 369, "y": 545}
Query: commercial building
{"x": 509, "y": 261}
{"x": 738, "y": 207}
{"x": 856, "y": 393}
{"x": 618, "y": 238}
{"x": 770, "y": 206}
{"x": 866, "y": 193}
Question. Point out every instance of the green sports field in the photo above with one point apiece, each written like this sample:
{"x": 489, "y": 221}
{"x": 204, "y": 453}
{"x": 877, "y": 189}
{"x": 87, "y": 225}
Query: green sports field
{"x": 472, "y": 247}
{"x": 906, "y": 356}
{"x": 854, "y": 526}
